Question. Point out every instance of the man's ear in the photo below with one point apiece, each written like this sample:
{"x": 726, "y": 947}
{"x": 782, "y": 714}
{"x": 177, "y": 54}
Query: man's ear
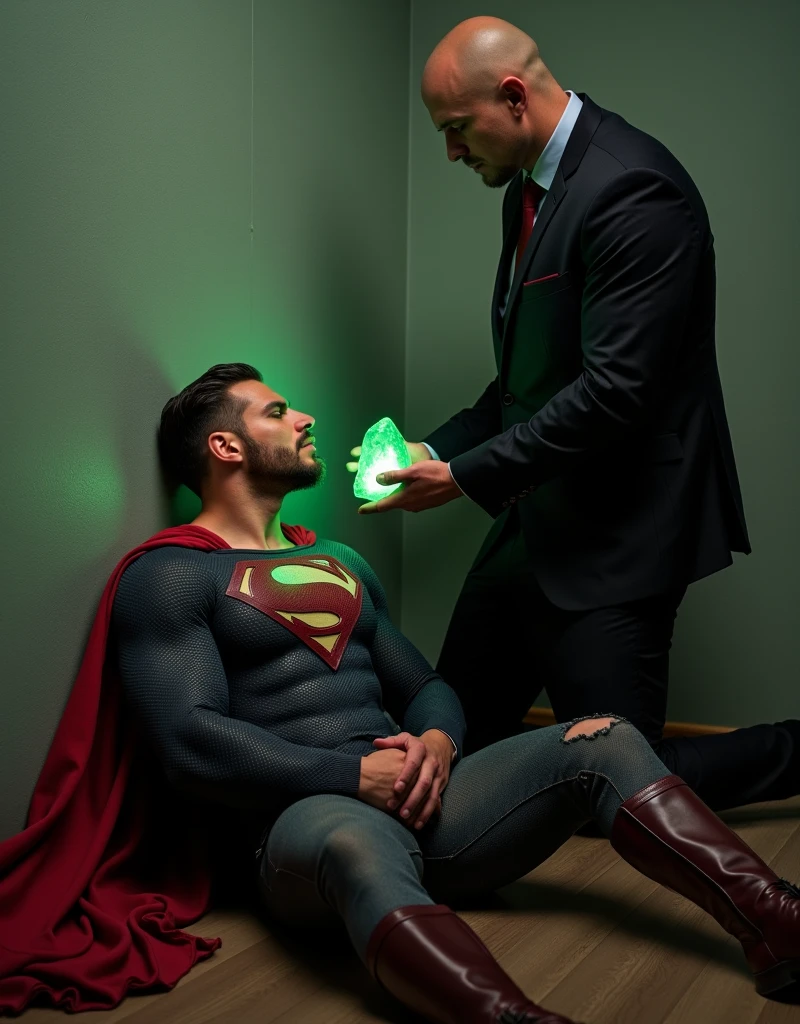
{"x": 225, "y": 446}
{"x": 515, "y": 93}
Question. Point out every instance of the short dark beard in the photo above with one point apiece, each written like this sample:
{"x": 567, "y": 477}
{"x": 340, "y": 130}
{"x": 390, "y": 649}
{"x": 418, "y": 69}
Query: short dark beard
{"x": 504, "y": 175}
{"x": 278, "y": 470}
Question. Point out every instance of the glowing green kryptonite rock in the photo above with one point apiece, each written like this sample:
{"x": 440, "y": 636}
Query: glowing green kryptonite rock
{"x": 383, "y": 448}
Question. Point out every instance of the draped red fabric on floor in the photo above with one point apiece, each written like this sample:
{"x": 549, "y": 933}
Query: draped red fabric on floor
{"x": 96, "y": 890}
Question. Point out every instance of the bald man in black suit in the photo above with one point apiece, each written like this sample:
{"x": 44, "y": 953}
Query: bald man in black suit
{"x": 601, "y": 448}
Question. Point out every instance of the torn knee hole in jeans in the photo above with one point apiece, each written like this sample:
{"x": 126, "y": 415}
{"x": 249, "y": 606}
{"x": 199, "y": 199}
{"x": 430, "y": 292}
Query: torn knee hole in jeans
{"x": 603, "y": 730}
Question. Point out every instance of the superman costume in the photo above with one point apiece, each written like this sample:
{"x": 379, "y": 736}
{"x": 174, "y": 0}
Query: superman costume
{"x": 260, "y": 679}
{"x": 263, "y": 676}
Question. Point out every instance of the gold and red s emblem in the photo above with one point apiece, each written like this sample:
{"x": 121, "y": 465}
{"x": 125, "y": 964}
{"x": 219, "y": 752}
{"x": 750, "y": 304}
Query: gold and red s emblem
{"x": 318, "y": 599}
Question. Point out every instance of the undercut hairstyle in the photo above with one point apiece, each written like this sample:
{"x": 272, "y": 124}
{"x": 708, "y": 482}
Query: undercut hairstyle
{"x": 189, "y": 417}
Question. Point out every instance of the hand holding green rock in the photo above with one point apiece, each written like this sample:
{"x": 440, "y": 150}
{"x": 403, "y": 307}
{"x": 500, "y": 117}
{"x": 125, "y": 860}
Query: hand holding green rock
{"x": 382, "y": 449}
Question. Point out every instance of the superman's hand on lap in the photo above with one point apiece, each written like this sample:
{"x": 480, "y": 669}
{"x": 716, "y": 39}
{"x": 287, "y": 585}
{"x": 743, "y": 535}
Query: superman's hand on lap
{"x": 424, "y": 775}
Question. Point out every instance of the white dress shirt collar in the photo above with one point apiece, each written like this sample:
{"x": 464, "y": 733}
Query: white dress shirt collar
{"x": 544, "y": 169}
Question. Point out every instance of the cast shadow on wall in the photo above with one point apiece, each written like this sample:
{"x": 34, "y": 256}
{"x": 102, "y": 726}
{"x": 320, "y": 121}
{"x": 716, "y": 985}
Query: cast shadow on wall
{"x": 147, "y": 504}
{"x": 97, "y": 495}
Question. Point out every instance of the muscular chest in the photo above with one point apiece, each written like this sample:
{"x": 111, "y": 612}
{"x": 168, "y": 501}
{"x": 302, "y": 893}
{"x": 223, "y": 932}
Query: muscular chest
{"x": 273, "y": 609}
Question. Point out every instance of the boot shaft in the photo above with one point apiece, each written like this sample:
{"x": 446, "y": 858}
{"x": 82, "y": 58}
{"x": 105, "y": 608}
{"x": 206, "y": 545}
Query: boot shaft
{"x": 668, "y": 833}
{"x": 432, "y": 961}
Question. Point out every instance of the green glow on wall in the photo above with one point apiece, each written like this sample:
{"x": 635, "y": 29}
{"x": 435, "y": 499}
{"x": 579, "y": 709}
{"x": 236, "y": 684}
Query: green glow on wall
{"x": 92, "y": 485}
{"x": 186, "y": 333}
{"x": 382, "y": 449}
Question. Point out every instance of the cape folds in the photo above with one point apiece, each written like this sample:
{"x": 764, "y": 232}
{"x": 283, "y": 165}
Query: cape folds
{"x": 95, "y": 891}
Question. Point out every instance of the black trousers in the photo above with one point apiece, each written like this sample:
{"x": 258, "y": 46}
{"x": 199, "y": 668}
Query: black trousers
{"x": 506, "y": 643}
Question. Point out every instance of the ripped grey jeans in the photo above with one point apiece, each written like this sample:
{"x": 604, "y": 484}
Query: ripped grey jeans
{"x": 507, "y": 808}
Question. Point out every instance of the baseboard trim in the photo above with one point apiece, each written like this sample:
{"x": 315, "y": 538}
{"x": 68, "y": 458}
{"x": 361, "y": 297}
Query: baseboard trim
{"x": 545, "y": 716}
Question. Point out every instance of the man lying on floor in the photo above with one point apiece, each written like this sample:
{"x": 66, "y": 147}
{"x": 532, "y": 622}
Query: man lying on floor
{"x": 262, "y": 672}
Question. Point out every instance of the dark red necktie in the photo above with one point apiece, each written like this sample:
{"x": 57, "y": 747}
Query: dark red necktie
{"x": 531, "y": 196}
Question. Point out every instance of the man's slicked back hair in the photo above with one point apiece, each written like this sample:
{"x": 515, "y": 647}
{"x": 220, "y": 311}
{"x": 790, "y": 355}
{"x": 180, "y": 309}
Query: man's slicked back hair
{"x": 189, "y": 417}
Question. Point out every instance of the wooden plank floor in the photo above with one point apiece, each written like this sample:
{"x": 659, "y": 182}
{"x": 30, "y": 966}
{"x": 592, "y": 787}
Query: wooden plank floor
{"x": 584, "y": 934}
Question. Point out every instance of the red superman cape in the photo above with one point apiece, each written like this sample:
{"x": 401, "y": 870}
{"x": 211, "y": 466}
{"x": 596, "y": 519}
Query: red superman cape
{"x": 95, "y": 891}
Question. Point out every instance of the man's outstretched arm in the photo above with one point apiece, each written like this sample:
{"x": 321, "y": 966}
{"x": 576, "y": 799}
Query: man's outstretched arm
{"x": 175, "y": 682}
{"x": 469, "y": 427}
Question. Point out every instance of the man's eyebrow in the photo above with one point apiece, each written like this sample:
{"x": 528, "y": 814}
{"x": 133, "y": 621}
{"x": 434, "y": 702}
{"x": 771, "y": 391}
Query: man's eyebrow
{"x": 275, "y": 404}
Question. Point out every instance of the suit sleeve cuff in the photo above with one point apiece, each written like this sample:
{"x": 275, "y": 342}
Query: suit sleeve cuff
{"x": 436, "y": 458}
{"x": 452, "y": 477}
{"x": 472, "y": 466}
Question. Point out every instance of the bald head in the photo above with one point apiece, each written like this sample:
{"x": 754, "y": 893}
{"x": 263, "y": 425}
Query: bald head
{"x": 479, "y": 53}
{"x": 487, "y": 88}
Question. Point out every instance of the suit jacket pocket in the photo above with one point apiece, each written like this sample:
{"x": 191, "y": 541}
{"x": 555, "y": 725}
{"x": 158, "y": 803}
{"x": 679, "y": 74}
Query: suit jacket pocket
{"x": 541, "y": 289}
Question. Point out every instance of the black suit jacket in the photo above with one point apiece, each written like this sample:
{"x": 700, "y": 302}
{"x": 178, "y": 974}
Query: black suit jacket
{"x": 605, "y": 424}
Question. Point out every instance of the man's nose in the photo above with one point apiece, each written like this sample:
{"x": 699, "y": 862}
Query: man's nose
{"x": 304, "y": 421}
{"x": 455, "y": 150}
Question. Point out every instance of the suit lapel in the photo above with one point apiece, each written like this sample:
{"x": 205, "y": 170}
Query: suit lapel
{"x": 544, "y": 215}
{"x": 512, "y": 214}
{"x": 579, "y": 139}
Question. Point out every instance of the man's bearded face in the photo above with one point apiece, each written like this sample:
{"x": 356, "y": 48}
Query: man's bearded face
{"x": 275, "y": 467}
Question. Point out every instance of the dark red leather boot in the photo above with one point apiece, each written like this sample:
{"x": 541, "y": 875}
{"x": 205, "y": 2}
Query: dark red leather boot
{"x": 667, "y": 832}
{"x": 434, "y": 963}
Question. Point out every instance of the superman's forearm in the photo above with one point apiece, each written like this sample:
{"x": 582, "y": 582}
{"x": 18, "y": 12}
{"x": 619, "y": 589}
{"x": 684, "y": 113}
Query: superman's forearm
{"x": 238, "y": 763}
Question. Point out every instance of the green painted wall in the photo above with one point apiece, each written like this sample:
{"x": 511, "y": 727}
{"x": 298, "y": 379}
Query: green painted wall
{"x": 141, "y": 139}
{"x": 716, "y": 83}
